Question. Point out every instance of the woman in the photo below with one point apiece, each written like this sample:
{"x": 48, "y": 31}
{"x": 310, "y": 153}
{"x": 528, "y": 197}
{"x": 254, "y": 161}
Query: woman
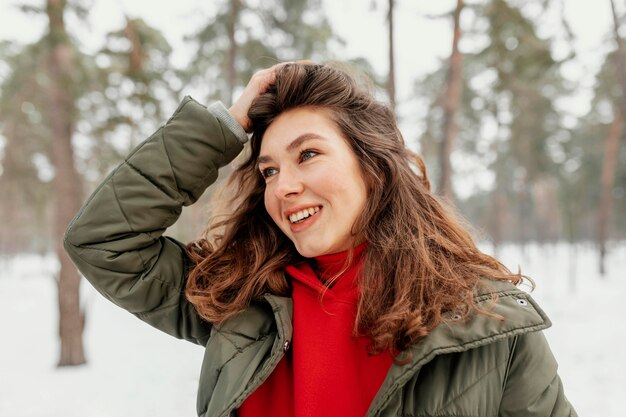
{"x": 339, "y": 285}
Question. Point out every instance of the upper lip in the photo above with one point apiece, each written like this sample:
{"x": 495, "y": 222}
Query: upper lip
{"x": 299, "y": 207}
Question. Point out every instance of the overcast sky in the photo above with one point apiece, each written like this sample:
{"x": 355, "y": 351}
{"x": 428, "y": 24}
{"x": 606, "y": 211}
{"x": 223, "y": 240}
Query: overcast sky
{"x": 421, "y": 41}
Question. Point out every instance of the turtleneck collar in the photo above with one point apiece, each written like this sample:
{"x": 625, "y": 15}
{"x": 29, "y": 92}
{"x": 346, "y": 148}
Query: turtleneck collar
{"x": 334, "y": 264}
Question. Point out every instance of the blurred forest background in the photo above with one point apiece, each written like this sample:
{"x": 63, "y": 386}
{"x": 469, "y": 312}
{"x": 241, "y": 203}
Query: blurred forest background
{"x": 492, "y": 121}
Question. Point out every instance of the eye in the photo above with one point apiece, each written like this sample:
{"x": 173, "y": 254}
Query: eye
{"x": 307, "y": 154}
{"x": 268, "y": 172}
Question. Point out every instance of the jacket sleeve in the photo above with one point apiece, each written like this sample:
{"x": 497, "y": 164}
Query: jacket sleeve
{"x": 533, "y": 387}
{"x": 116, "y": 239}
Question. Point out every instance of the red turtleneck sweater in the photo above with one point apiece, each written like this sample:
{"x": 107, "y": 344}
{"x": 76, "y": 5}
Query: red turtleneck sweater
{"x": 327, "y": 371}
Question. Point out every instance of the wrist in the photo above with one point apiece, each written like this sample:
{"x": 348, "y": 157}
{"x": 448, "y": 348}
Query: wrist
{"x": 229, "y": 118}
{"x": 241, "y": 119}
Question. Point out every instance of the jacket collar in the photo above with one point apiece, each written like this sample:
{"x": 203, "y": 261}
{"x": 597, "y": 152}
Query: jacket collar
{"x": 254, "y": 324}
{"x": 283, "y": 314}
{"x": 521, "y": 315}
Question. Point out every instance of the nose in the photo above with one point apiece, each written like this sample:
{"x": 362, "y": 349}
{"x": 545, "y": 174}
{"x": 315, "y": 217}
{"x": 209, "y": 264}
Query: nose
{"x": 288, "y": 184}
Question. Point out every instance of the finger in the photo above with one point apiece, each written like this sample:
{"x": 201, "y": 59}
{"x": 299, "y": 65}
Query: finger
{"x": 268, "y": 75}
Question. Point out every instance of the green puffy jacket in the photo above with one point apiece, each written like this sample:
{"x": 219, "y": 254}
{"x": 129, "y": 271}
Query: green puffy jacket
{"x": 486, "y": 367}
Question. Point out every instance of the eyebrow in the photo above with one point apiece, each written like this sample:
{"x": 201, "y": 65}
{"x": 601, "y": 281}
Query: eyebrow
{"x": 293, "y": 145}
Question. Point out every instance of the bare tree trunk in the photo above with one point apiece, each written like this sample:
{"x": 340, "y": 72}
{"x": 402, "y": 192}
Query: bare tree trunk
{"x": 136, "y": 56}
{"x": 611, "y": 145}
{"x": 231, "y": 71}
{"x": 609, "y": 167}
{"x": 391, "y": 80}
{"x": 451, "y": 105}
{"x": 620, "y": 56}
{"x": 66, "y": 182}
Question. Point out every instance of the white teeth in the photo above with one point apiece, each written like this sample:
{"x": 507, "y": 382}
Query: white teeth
{"x": 302, "y": 214}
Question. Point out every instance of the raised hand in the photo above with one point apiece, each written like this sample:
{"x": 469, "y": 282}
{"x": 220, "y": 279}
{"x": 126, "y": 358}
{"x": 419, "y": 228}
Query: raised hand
{"x": 257, "y": 85}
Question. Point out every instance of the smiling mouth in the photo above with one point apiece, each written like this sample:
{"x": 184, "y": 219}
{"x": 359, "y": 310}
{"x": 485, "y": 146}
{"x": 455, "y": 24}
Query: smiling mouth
{"x": 302, "y": 215}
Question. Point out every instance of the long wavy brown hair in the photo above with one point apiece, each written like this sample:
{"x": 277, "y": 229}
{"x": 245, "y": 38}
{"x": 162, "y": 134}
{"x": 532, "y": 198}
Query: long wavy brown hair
{"x": 420, "y": 262}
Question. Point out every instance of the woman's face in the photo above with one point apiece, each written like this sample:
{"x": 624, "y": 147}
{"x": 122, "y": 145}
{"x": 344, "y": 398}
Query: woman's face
{"x": 314, "y": 186}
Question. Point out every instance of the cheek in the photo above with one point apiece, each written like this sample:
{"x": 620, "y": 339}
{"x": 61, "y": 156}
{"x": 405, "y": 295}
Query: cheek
{"x": 357, "y": 195}
{"x": 272, "y": 207}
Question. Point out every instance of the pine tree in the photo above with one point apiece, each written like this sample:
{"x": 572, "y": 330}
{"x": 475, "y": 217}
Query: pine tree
{"x": 242, "y": 38}
{"x": 60, "y": 69}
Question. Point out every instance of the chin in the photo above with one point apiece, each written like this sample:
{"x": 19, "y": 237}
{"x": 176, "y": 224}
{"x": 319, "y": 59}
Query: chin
{"x": 309, "y": 251}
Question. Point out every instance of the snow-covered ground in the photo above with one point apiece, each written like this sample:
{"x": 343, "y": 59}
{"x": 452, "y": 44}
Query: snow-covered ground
{"x": 134, "y": 370}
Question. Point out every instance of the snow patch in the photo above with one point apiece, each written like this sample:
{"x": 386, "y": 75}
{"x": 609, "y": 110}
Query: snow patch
{"x": 134, "y": 370}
